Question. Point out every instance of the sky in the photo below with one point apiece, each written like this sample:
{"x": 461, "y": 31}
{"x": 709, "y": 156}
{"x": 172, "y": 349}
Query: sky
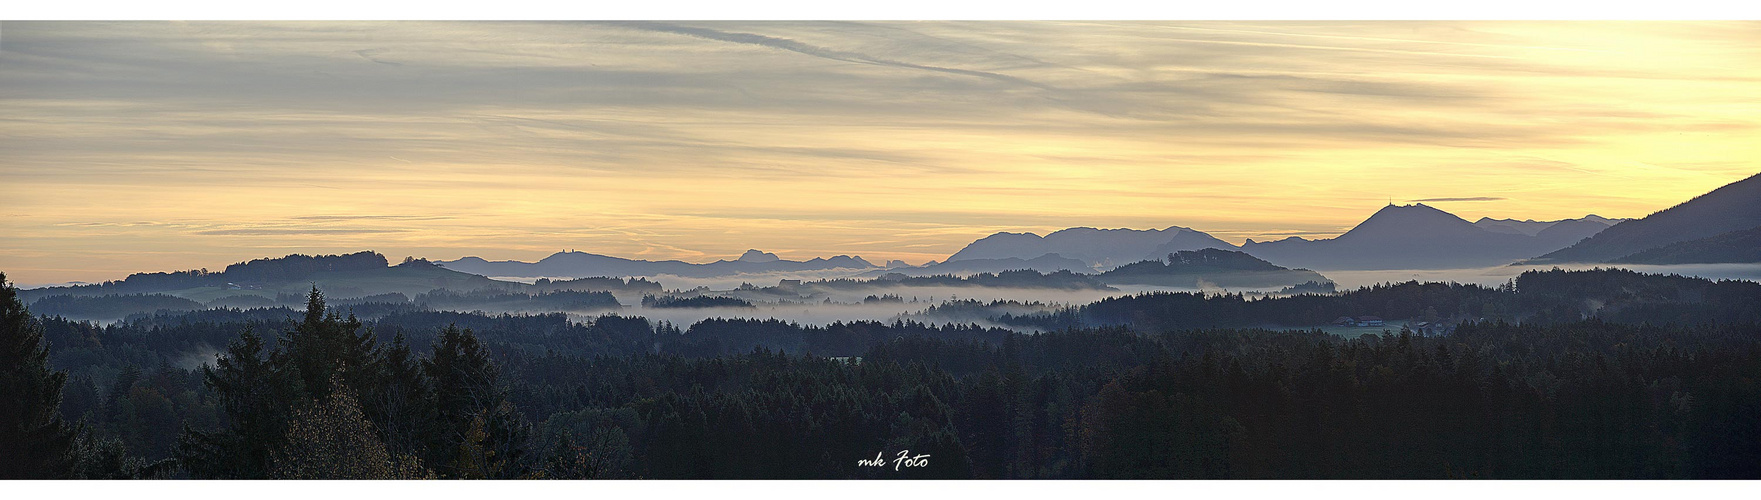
{"x": 156, "y": 146}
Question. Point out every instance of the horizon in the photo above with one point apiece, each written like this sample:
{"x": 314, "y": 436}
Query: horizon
{"x": 393, "y": 261}
{"x": 160, "y": 146}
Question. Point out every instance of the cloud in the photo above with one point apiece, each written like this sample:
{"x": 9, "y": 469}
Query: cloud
{"x": 816, "y": 51}
{"x": 370, "y": 217}
{"x": 294, "y": 231}
{"x": 1476, "y": 198}
{"x": 368, "y": 54}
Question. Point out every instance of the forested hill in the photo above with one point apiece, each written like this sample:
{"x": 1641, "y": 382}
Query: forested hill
{"x": 1735, "y": 246}
{"x": 255, "y": 272}
{"x": 1212, "y": 267}
{"x": 356, "y": 274}
{"x": 1733, "y": 207}
{"x": 1533, "y": 297}
{"x": 298, "y": 266}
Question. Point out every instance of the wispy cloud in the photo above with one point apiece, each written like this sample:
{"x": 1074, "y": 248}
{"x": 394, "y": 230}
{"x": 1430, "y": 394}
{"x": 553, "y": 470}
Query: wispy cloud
{"x": 294, "y": 231}
{"x": 1475, "y": 198}
{"x": 371, "y": 217}
{"x": 816, "y": 51}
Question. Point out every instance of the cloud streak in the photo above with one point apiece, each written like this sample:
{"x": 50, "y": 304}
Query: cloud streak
{"x": 821, "y": 52}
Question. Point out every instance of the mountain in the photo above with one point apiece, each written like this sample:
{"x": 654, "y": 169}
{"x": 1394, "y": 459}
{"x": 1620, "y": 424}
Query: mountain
{"x": 582, "y": 264}
{"x": 1048, "y": 263}
{"x": 1734, "y": 207}
{"x": 1100, "y": 248}
{"x": 1196, "y": 269}
{"x": 1422, "y": 237}
{"x": 1735, "y": 246}
{"x": 753, "y": 255}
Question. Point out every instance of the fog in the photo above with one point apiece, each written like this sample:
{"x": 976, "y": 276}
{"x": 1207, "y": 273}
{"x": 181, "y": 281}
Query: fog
{"x": 202, "y": 354}
{"x": 807, "y": 304}
{"x": 1498, "y": 275}
{"x": 847, "y": 305}
{"x": 729, "y": 282}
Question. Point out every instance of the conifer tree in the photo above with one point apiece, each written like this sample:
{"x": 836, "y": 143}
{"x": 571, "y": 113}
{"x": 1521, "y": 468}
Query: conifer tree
{"x": 323, "y": 344}
{"x": 401, "y": 401}
{"x": 35, "y": 443}
{"x": 472, "y": 418}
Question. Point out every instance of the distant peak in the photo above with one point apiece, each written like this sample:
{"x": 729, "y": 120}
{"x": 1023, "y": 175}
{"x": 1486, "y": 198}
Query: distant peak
{"x": 1415, "y": 208}
{"x": 754, "y": 255}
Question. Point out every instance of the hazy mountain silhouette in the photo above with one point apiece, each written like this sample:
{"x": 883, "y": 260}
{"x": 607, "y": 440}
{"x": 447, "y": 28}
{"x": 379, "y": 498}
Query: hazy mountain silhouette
{"x": 1099, "y": 248}
{"x": 1732, "y": 247}
{"x": 1048, "y": 263}
{"x": 1734, "y": 207}
{"x": 754, "y": 255}
{"x": 1422, "y": 237}
{"x": 581, "y": 264}
{"x": 1591, "y": 223}
{"x": 1209, "y": 266}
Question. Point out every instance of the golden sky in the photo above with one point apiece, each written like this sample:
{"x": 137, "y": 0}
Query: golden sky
{"x": 149, "y": 146}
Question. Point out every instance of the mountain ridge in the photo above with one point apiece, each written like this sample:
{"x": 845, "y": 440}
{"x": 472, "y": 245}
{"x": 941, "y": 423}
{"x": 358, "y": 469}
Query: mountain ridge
{"x": 1420, "y": 236}
{"x": 1732, "y": 207}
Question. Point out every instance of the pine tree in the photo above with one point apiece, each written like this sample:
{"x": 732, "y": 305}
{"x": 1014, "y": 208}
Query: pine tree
{"x": 473, "y": 419}
{"x": 401, "y": 401}
{"x": 324, "y": 344}
{"x": 35, "y": 443}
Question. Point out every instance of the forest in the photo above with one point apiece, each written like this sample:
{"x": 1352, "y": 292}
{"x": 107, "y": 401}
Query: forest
{"x": 1557, "y": 374}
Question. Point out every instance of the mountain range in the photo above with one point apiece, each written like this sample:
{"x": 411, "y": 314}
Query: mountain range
{"x": 581, "y": 265}
{"x": 1414, "y": 236}
{"x": 1396, "y": 237}
{"x": 1048, "y": 263}
{"x": 1532, "y": 227}
{"x": 1422, "y": 237}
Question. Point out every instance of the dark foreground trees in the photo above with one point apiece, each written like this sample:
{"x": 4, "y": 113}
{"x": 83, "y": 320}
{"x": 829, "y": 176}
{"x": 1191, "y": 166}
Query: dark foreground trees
{"x": 35, "y": 443}
{"x": 329, "y": 402}
{"x": 544, "y": 397}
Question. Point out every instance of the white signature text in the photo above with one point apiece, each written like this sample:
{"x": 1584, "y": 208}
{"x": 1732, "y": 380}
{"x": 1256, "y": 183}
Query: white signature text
{"x": 904, "y": 460}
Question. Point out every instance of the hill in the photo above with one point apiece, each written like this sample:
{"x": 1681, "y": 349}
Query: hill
{"x": 1100, "y": 248}
{"x": 1196, "y": 269}
{"x": 581, "y": 264}
{"x": 268, "y": 281}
